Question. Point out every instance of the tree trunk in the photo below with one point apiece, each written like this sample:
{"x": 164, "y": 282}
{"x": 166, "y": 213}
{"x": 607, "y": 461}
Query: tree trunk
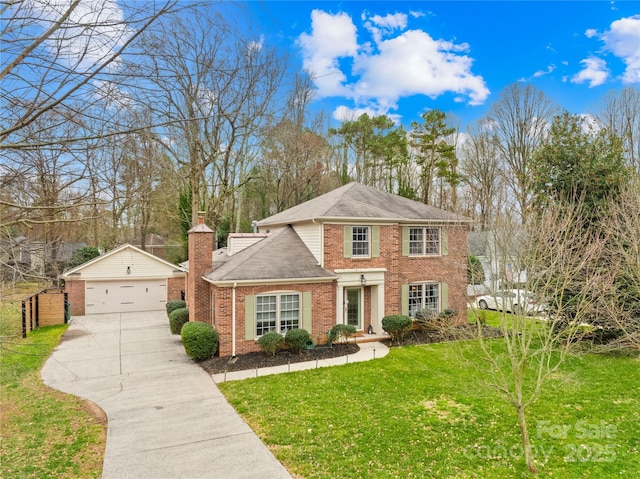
{"x": 526, "y": 443}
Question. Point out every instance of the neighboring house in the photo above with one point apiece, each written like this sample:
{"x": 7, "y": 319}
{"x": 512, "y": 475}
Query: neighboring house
{"x": 499, "y": 257}
{"x": 351, "y": 256}
{"x": 126, "y": 279}
{"x": 154, "y": 244}
{"x": 21, "y": 255}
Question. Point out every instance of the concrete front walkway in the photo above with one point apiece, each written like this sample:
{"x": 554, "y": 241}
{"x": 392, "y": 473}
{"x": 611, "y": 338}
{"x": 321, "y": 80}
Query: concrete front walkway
{"x": 167, "y": 418}
{"x": 368, "y": 351}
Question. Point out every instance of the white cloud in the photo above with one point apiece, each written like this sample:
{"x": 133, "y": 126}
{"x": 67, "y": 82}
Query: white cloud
{"x": 112, "y": 95}
{"x": 333, "y": 37}
{"x": 380, "y": 26}
{"x": 595, "y": 72}
{"x": 590, "y": 33}
{"x": 589, "y": 124}
{"x": 390, "y": 22}
{"x": 93, "y": 31}
{"x": 376, "y": 75}
{"x": 623, "y": 40}
{"x": 540, "y": 73}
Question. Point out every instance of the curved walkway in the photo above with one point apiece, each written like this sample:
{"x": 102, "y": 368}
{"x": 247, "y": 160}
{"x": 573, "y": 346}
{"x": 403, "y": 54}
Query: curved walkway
{"x": 167, "y": 418}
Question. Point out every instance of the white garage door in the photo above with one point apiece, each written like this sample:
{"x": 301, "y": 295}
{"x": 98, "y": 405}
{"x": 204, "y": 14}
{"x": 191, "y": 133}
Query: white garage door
{"x": 125, "y": 296}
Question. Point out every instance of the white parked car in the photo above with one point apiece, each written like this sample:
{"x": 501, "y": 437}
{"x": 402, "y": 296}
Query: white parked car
{"x": 512, "y": 301}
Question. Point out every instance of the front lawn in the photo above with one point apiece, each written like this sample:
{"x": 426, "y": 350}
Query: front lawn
{"x": 421, "y": 412}
{"x": 45, "y": 433}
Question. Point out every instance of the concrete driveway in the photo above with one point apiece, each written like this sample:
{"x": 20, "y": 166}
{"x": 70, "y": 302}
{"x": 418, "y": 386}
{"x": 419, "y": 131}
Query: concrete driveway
{"x": 167, "y": 418}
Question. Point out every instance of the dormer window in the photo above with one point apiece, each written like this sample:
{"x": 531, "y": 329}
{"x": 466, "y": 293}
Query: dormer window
{"x": 360, "y": 241}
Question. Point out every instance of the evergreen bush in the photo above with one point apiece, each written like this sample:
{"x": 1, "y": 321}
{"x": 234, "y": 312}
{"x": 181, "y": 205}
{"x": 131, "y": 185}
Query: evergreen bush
{"x": 341, "y": 332}
{"x": 177, "y": 319}
{"x": 173, "y": 305}
{"x": 271, "y": 342}
{"x": 397, "y": 326}
{"x": 296, "y": 339}
{"x": 200, "y": 340}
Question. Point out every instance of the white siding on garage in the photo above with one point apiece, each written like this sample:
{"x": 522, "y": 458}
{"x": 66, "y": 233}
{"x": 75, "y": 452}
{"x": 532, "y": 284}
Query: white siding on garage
{"x": 115, "y": 266}
{"x": 311, "y": 236}
{"x": 125, "y": 296}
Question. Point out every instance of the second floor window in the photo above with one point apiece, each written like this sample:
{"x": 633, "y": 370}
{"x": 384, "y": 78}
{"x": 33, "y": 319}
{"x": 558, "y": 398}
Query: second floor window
{"x": 424, "y": 241}
{"x": 360, "y": 241}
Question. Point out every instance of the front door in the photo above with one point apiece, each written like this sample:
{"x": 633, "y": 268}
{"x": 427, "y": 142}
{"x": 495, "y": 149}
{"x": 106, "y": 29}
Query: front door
{"x": 354, "y": 307}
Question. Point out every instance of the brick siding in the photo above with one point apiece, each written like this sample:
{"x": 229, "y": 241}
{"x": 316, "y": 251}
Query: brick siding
{"x": 198, "y": 294}
{"x": 400, "y": 270}
{"x": 450, "y": 269}
{"x": 75, "y": 291}
{"x": 175, "y": 288}
{"x": 323, "y": 300}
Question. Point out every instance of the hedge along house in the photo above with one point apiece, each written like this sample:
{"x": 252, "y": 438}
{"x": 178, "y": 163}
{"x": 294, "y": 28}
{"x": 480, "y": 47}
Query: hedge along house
{"x": 351, "y": 256}
{"x": 126, "y": 279}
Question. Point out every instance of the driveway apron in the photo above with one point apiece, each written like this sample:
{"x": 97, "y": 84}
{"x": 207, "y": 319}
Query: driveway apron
{"x": 167, "y": 418}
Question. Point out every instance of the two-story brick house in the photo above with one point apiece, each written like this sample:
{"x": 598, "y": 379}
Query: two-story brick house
{"x": 352, "y": 256}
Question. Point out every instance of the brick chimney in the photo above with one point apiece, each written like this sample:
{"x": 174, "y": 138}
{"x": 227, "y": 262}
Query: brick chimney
{"x": 200, "y": 264}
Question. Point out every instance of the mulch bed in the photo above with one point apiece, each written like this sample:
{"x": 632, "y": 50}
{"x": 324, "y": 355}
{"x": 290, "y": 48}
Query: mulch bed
{"x": 261, "y": 360}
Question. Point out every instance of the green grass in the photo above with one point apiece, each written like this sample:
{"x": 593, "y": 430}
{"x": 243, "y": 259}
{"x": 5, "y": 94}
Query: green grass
{"x": 423, "y": 412}
{"x": 45, "y": 433}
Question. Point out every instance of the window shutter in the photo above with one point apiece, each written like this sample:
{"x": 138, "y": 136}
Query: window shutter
{"x": 348, "y": 237}
{"x": 405, "y": 241}
{"x": 404, "y": 298}
{"x": 444, "y": 242}
{"x": 444, "y": 296}
{"x": 250, "y": 317}
{"x": 375, "y": 241}
{"x": 307, "y": 318}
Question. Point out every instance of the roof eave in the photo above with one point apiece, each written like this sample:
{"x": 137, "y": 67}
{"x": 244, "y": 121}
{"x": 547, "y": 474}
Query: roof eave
{"x": 369, "y": 219}
{"x": 258, "y": 282}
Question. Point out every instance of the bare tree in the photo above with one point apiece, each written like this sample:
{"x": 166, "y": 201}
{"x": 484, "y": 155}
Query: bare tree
{"x": 556, "y": 256}
{"x": 58, "y": 54}
{"x": 481, "y": 171}
{"x": 620, "y": 113}
{"x": 213, "y": 87}
{"x": 622, "y": 303}
{"x": 520, "y": 118}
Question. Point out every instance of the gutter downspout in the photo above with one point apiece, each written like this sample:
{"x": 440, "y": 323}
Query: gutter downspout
{"x": 233, "y": 320}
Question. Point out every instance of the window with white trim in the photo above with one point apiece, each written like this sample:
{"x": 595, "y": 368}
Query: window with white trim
{"x": 360, "y": 241}
{"x": 277, "y": 312}
{"x": 424, "y": 296}
{"x": 424, "y": 241}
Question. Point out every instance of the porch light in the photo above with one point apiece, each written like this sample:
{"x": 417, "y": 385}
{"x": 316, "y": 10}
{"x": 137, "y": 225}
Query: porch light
{"x": 128, "y": 269}
{"x": 363, "y": 280}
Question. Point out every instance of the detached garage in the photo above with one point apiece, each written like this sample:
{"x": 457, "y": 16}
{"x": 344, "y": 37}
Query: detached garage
{"x": 123, "y": 280}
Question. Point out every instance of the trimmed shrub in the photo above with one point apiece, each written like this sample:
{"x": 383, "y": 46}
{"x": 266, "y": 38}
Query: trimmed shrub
{"x": 200, "y": 340}
{"x": 397, "y": 326}
{"x": 173, "y": 305}
{"x": 177, "y": 319}
{"x": 342, "y": 332}
{"x": 296, "y": 339}
{"x": 271, "y": 342}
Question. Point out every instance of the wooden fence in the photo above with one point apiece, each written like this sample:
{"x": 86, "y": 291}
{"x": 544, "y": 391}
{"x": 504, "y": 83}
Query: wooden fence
{"x": 46, "y": 308}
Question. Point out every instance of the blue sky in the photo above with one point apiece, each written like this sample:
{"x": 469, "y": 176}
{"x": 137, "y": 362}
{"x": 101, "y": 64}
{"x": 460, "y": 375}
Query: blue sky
{"x": 402, "y": 58}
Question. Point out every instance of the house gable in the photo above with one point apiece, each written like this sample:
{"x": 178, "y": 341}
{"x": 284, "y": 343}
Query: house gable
{"x": 124, "y": 261}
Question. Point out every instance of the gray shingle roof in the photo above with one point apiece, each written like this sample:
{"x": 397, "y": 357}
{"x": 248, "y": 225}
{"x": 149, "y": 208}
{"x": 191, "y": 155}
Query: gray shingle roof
{"x": 281, "y": 255}
{"x": 356, "y": 200}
